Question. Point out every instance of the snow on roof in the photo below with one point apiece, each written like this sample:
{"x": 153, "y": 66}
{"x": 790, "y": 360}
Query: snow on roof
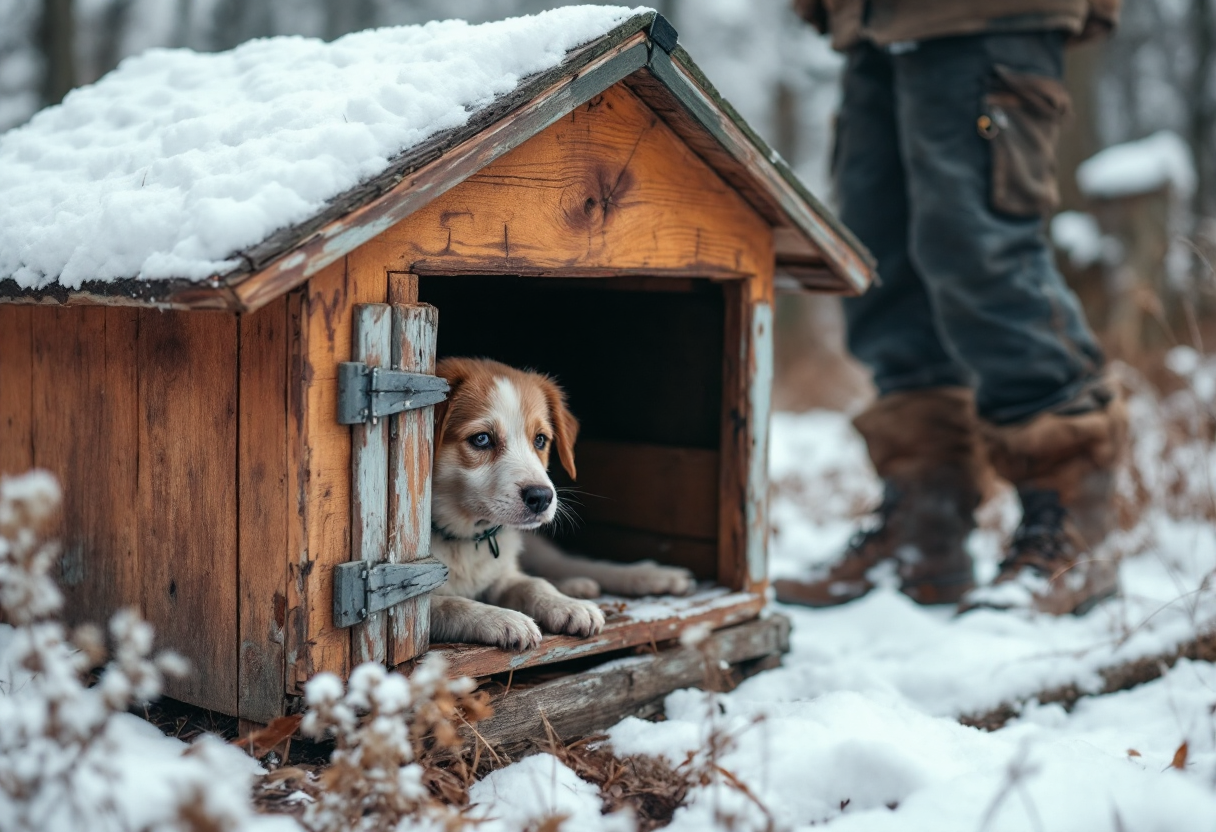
{"x": 176, "y": 160}
{"x": 1139, "y": 167}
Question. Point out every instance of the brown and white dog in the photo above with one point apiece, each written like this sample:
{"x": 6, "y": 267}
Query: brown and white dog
{"x": 491, "y": 488}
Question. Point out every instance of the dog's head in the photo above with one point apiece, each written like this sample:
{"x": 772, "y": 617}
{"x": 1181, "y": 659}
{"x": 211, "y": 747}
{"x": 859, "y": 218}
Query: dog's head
{"x": 493, "y": 438}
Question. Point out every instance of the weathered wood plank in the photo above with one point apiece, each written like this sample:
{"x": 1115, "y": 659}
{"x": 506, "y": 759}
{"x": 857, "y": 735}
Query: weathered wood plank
{"x": 118, "y": 466}
{"x": 760, "y": 395}
{"x": 326, "y": 329}
{"x": 129, "y": 293}
{"x": 582, "y": 704}
{"x": 608, "y": 186}
{"x": 411, "y": 453}
{"x": 262, "y": 535}
{"x": 84, "y": 406}
{"x": 665, "y": 490}
{"x": 402, "y": 288}
{"x": 369, "y": 477}
{"x": 295, "y": 647}
{"x": 16, "y": 394}
{"x": 188, "y": 496}
{"x": 746, "y": 403}
{"x": 620, "y": 632}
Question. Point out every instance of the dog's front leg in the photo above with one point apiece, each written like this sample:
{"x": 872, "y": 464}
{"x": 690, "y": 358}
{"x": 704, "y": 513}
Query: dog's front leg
{"x": 462, "y": 619}
{"x": 555, "y": 612}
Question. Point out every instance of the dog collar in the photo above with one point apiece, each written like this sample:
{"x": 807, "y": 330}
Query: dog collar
{"x": 490, "y": 534}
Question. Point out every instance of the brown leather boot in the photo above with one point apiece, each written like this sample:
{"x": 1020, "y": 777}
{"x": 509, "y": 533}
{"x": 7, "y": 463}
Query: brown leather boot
{"x": 925, "y": 446}
{"x": 1063, "y": 466}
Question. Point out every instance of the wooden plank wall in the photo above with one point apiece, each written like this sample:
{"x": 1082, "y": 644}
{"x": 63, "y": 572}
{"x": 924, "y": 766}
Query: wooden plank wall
{"x": 746, "y": 404}
{"x": 320, "y": 456}
{"x": 608, "y": 189}
{"x": 188, "y": 491}
{"x": 369, "y": 478}
{"x": 265, "y": 515}
{"x": 16, "y": 396}
{"x": 84, "y": 428}
{"x": 411, "y": 454}
{"x": 137, "y": 413}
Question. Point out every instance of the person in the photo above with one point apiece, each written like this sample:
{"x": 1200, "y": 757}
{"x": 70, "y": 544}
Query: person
{"x": 944, "y": 167}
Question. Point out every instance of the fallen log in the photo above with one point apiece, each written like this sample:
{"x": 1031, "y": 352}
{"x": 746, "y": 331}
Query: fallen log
{"x": 1114, "y": 678}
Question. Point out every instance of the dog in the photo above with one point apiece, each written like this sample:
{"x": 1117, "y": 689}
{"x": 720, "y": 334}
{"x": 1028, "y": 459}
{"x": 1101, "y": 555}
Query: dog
{"x": 490, "y": 492}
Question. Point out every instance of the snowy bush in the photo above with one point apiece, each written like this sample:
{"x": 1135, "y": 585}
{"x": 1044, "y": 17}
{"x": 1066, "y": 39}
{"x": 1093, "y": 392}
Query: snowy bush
{"x": 383, "y": 725}
{"x": 71, "y": 758}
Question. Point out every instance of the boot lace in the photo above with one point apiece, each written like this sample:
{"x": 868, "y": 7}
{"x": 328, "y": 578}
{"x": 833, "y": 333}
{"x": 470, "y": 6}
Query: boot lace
{"x": 1040, "y": 539}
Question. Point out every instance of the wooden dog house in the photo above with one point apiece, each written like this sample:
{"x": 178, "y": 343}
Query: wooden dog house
{"x": 611, "y": 221}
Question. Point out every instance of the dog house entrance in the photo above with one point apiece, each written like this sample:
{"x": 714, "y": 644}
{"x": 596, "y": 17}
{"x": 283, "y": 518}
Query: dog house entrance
{"x": 644, "y": 363}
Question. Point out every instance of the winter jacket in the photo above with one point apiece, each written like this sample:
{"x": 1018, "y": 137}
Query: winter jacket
{"x": 884, "y": 22}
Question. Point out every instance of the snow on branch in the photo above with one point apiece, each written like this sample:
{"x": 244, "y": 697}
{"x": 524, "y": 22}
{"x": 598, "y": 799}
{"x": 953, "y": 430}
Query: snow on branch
{"x": 1139, "y": 167}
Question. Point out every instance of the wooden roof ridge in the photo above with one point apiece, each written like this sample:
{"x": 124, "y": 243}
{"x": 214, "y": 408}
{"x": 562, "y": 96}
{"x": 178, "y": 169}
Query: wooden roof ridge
{"x": 816, "y": 250}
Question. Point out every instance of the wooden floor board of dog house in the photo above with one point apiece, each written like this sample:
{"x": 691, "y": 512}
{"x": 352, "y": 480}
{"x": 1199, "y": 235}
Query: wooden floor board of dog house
{"x": 630, "y": 623}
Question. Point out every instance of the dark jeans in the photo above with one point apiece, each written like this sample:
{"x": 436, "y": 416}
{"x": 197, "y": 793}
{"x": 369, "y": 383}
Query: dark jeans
{"x": 968, "y": 295}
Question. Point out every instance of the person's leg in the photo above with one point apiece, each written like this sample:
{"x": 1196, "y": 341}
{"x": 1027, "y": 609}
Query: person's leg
{"x": 892, "y": 328}
{"x": 977, "y": 117}
{"x": 1002, "y": 307}
{"x": 921, "y": 432}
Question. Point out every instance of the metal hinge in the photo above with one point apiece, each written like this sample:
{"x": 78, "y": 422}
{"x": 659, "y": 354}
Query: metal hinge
{"x": 361, "y": 589}
{"x": 369, "y": 393}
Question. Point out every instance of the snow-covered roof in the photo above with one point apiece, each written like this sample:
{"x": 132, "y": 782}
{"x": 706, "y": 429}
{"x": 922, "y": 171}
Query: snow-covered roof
{"x": 181, "y": 168}
{"x": 1139, "y": 167}
{"x": 176, "y": 160}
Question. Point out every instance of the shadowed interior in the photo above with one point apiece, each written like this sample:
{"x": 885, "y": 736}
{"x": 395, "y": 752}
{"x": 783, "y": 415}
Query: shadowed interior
{"x": 643, "y": 371}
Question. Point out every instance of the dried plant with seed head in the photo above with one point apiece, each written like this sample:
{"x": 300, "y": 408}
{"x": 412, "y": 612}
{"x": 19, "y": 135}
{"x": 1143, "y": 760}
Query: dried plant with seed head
{"x": 384, "y": 727}
{"x": 66, "y": 746}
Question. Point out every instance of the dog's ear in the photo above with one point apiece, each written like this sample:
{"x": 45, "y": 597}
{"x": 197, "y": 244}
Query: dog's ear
{"x": 565, "y": 426}
{"x": 455, "y": 371}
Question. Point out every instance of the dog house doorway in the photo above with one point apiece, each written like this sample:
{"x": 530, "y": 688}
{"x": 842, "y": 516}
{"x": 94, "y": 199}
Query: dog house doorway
{"x": 644, "y": 362}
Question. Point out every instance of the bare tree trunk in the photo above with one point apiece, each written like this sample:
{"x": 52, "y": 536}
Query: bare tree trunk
{"x": 56, "y": 37}
{"x": 785, "y": 118}
{"x": 1079, "y": 139}
{"x": 114, "y": 26}
{"x": 236, "y": 21}
{"x": 345, "y": 16}
{"x": 1200, "y": 127}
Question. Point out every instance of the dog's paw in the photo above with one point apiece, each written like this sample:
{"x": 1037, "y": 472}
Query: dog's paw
{"x": 511, "y": 630}
{"x": 579, "y": 588}
{"x": 571, "y": 617}
{"x": 649, "y": 578}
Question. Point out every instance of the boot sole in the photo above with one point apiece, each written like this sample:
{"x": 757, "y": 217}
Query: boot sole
{"x": 1084, "y": 608}
{"x": 946, "y": 590}
{"x": 796, "y": 594}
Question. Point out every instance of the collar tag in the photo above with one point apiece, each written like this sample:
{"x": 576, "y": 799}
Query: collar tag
{"x": 490, "y": 534}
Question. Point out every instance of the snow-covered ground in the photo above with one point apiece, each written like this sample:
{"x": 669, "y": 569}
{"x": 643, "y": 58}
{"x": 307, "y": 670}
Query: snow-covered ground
{"x": 859, "y": 729}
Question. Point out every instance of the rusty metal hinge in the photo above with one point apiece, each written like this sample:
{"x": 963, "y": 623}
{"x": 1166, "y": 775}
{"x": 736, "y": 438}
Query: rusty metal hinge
{"x": 369, "y": 393}
{"x": 361, "y": 589}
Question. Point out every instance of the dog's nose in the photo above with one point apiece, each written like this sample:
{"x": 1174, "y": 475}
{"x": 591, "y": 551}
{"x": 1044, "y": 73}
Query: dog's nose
{"x": 537, "y": 497}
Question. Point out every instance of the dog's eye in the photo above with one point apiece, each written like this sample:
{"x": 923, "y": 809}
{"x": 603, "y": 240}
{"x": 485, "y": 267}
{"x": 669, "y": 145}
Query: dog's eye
{"x": 481, "y": 440}
{"x": 540, "y": 441}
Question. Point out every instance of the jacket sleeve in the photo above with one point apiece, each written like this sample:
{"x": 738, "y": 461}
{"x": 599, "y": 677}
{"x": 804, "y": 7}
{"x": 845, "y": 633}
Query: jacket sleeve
{"x": 815, "y": 12}
{"x": 1101, "y": 19}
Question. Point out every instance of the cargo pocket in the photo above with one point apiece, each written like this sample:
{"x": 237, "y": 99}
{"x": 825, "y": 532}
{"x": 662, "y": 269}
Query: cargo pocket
{"x": 1021, "y": 121}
